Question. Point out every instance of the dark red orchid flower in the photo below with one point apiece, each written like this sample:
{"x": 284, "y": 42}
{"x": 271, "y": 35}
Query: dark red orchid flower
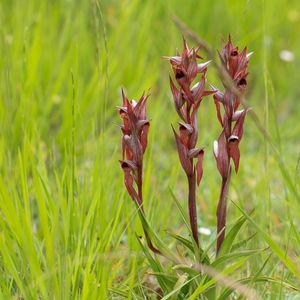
{"x": 134, "y": 143}
{"x": 235, "y": 63}
{"x": 226, "y": 148}
{"x": 187, "y": 99}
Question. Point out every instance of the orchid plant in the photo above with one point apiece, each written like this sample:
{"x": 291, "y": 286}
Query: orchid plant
{"x": 187, "y": 99}
{"x": 226, "y": 148}
{"x": 188, "y": 90}
{"x": 134, "y": 143}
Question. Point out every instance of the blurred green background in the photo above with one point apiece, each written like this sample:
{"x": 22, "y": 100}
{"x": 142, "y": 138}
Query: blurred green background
{"x": 67, "y": 227}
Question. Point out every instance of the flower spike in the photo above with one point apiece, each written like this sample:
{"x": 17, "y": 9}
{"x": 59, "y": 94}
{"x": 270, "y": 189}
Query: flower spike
{"x": 235, "y": 63}
{"x": 187, "y": 99}
{"x": 135, "y": 129}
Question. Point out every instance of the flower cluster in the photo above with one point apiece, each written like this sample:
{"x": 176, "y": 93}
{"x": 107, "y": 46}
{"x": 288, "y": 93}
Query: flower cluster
{"x": 188, "y": 91}
{"x": 227, "y": 146}
{"x": 134, "y": 142}
{"x": 187, "y": 99}
{"x": 235, "y": 63}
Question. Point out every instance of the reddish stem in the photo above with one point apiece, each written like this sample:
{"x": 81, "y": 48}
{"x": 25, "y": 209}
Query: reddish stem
{"x": 222, "y": 210}
{"x": 192, "y": 207}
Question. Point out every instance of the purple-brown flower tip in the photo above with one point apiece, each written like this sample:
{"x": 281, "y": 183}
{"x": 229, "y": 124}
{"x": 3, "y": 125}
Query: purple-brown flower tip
{"x": 134, "y": 141}
{"x": 134, "y": 128}
{"x": 236, "y": 63}
{"x": 185, "y": 66}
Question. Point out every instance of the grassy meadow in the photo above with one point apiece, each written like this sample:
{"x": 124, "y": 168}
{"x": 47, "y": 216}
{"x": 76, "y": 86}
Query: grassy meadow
{"x": 67, "y": 226}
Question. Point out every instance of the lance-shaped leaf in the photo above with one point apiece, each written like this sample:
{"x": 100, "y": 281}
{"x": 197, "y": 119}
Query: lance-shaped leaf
{"x": 198, "y": 153}
{"x": 221, "y": 155}
{"x": 183, "y": 157}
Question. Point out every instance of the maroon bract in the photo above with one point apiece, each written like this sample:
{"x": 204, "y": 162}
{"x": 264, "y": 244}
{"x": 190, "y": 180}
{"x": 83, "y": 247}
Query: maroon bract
{"x": 187, "y": 100}
{"x": 227, "y": 147}
{"x": 134, "y": 142}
